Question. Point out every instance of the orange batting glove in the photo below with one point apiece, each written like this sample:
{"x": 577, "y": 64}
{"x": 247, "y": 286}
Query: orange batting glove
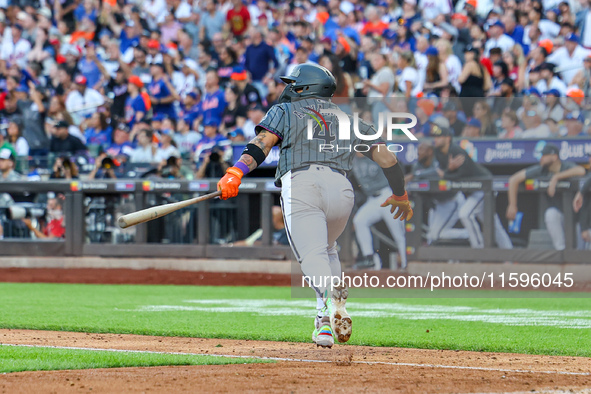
{"x": 230, "y": 182}
{"x": 403, "y": 205}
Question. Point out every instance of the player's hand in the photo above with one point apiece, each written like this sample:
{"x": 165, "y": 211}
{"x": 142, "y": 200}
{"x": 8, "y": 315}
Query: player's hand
{"x": 511, "y": 212}
{"x": 578, "y": 202}
{"x": 403, "y": 205}
{"x": 586, "y": 235}
{"x": 230, "y": 182}
{"x": 455, "y": 162}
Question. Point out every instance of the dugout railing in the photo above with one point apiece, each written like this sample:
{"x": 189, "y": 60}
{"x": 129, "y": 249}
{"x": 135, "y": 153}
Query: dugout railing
{"x": 254, "y": 203}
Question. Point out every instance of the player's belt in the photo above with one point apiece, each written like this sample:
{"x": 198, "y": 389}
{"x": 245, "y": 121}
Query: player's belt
{"x": 318, "y": 168}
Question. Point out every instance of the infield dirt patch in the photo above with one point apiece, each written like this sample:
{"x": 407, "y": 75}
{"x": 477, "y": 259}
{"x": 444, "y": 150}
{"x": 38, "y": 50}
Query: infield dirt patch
{"x": 304, "y": 368}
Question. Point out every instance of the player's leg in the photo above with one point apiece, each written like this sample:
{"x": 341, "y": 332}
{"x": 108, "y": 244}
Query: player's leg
{"x": 305, "y": 225}
{"x": 444, "y": 213}
{"x": 467, "y": 214}
{"x": 501, "y": 237}
{"x": 339, "y": 197}
{"x": 367, "y": 215}
{"x": 554, "y": 220}
{"x": 448, "y": 231}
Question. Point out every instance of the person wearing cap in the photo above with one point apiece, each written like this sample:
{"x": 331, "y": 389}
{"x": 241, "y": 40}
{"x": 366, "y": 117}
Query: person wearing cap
{"x": 15, "y": 50}
{"x": 135, "y": 106}
{"x": 248, "y": 94}
{"x": 83, "y": 101}
{"x": 548, "y": 80}
{"x": 162, "y": 93}
{"x": 237, "y": 135}
{"x": 62, "y": 142}
{"x": 554, "y": 108}
{"x": 7, "y": 163}
{"x": 456, "y": 164}
{"x": 211, "y": 138}
{"x": 550, "y": 166}
{"x": 186, "y": 138}
{"x": 498, "y": 38}
{"x": 574, "y": 123}
{"x": 255, "y": 115}
{"x": 436, "y": 76}
{"x": 568, "y": 59}
{"x": 533, "y": 121}
{"x": 450, "y": 112}
{"x": 472, "y": 129}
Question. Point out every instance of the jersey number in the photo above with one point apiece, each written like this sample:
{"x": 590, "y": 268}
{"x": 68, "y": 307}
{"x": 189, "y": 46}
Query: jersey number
{"x": 326, "y": 136}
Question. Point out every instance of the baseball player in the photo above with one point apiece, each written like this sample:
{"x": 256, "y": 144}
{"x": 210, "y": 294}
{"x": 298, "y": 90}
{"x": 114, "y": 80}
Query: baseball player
{"x": 316, "y": 196}
{"x": 374, "y": 185}
{"x": 473, "y": 209}
{"x": 550, "y": 165}
{"x": 445, "y": 206}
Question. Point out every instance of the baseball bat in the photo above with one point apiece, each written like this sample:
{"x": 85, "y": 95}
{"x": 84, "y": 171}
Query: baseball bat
{"x": 145, "y": 215}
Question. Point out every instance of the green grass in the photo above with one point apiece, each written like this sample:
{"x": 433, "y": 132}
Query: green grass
{"x": 555, "y": 326}
{"x": 17, "y": 359}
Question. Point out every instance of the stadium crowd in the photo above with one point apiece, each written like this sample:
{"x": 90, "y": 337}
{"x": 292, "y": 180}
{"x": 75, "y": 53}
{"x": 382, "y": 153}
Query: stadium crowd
{"x": 175, "y": 81}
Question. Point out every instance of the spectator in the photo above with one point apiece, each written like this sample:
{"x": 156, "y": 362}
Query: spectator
{"x": 482, "y": 112}
{"x": 191, "y": 107}
{"x": 248, "y": 94}
{"x": 213, "y": 104}
{"x": 212, "y": 21}
{"x": 255, "y": 115}
{"x": 135, "y": 105}
{"x": 548, "y": 80}
{"x": 568, "y": 58}
{"x": 408, "y": 80}
{"x": 234, "y": 115}
{"x": 186, "y": 138}
{"x": 104, "y": 167}
{"x": 63, "y": 142}
{"x": 374, "y": 24}
{"x": 380, "y": 85}
{"x": 450, "y": 111}
{"x": 121, "y": 148}
{"x": 451, "y": 61}
{"x": 16, "y": 139}
{"x": 162, "y": 93}
{"x": 237, "y": 136}
{"x": 146, "y": 151}
{"x": 260, "y": 61}
{"x": 228, "y": 65}
{"x": 83, "y": 101}
{"x": 550, "y": 165}
{"x": 554, "y": 108}
{"x": 509, "y": 125}
{"x": 168, "y": 147}
{"x": 474, "y": 80}
{"x": 238, "y": 19}
{"x": 15, "y": 48}
{"x": 498, "y": 38}
{"x": 534, "y": 128}
{"x": 210, "y": 138}
{"x": 472, "y": 129}
{"x": 7, "y": 162}
{"x": 96, "y": 130}
{"x": 436, "y": 73}
{"x": 583, "y": 77}
{"x": 574, "y": 124}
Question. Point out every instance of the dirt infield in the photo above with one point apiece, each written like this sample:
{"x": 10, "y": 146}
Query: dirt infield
{"x": 300, "y": 367}
{"x": 144, "y": 277}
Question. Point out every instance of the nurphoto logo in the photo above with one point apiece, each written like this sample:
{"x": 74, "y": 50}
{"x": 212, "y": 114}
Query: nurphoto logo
{"x": 318, "y": 128}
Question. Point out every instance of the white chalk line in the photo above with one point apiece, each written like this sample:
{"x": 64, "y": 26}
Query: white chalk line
{"x": 303, "y": 360}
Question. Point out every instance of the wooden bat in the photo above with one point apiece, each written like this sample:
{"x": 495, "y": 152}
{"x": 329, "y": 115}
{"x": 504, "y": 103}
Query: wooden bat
{"x": 145, "y": 215}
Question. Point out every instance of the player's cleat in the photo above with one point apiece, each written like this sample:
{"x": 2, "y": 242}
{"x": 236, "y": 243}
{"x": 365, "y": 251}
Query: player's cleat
{"x": 322, "y": 335}
{"x": 365, "y": 263}
{"x": 339, "y": 318}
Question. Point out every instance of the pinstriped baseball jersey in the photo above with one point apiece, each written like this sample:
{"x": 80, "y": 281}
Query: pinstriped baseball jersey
{"x": 289, "y": 122}
{"x": 369, "y": 176}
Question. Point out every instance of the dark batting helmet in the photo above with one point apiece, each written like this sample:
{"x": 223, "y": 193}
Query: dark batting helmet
{"x": 308, "y": 80}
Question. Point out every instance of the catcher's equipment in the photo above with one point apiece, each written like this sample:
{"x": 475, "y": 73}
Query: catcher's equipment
{"x": 308, "y": 80}
{"x": 403, "y": 205}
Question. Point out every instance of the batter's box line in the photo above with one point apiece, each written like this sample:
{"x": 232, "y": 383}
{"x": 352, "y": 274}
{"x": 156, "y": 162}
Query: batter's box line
{"x": 303, "y": 360}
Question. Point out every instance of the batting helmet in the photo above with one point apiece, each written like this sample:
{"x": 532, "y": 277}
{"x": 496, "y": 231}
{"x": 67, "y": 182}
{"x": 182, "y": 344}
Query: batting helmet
{"x": 308, "y": 80}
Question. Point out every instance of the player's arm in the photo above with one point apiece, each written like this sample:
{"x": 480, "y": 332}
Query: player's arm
{"x": 255, "y": 152}
{"x": 578, "y": 200}
{"x": 576, "y": 171}
{"x": 395, "y": 176}
{"x": 514, "y": 182}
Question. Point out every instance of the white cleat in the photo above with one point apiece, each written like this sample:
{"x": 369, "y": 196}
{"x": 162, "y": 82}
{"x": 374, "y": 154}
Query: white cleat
{"x": 339, "y": 318}
{"x": 322, "y": 335}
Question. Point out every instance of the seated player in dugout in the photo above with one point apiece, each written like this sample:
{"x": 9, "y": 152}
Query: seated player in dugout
{"x": 550, "y": 166}
{"x": 316, "y": 196}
